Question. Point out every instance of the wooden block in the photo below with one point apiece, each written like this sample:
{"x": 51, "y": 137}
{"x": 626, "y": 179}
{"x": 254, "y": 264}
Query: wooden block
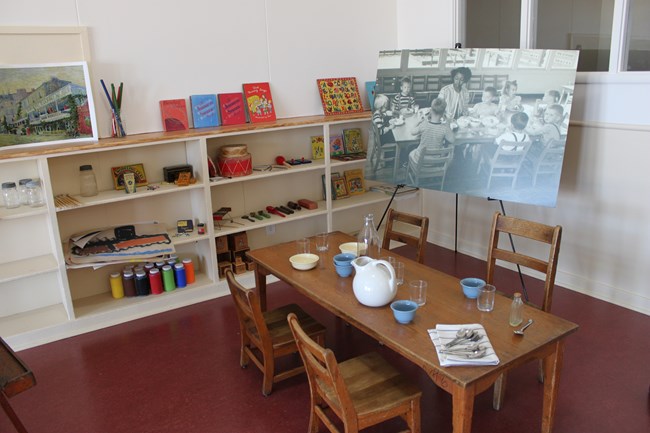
{"x": 238, "y": 241}
{"x": 308, "y": 204}
{"x": 222, "y": 268}
{"x": 222, "y": 244}
{"x": 240, "y": 268}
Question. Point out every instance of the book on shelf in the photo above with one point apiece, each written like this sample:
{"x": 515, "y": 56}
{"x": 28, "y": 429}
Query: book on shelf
{"x": 336, "y": 144}
{"x": 174, "y": 115}
{"x": 370, "y": 89}
{"x": 350, "y": 156}
{"x": 389, "y": 189}
{"x": 204, "y": 111}
{"x": 354, "y": 181}
{"x": 259, "y": 102}
{"x": 339, "y": 95}
{"x": 231, "y": 108}
{"x": 352, "y": 140}
{"x": 317, "y": 147}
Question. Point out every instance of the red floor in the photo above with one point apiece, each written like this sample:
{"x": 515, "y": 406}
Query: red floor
{"x": 179, "y": 372}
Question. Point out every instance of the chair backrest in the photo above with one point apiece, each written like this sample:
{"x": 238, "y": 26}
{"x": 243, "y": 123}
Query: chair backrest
{"x": 550, "y": 235}
{"x": 391, "y": 233}
{"x": 325, "y": 380}
{"x": 550, "y": 159}
{"x": 431, "y": 164}
{"x": 508, "y": 160}
{"x": 249, "y": 312}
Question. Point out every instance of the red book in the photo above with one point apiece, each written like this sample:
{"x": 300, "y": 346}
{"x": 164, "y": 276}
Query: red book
{"x": 231, "y": 107}
{"x": 174, "y": 115}
{"x": 259, "y": 102}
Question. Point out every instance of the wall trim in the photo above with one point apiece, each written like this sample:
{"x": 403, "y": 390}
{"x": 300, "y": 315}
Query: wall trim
{"x": 614, "y": 126}
{"x": 613, "y": 295}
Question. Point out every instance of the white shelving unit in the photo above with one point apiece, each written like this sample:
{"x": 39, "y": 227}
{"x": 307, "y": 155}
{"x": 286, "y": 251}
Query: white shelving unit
{"x": 43, "y": 299}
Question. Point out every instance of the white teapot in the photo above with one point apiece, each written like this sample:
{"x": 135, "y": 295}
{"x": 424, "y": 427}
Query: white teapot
{"x": 374, "y": 281}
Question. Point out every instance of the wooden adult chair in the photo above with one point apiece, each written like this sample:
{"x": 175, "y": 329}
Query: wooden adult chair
{"x": 266, "y": 336}
{"x": 549, "y": 235}
{"x": 361, "y": 391}
{"x": 430, "y": 168}
{"x": 391, "y": 232}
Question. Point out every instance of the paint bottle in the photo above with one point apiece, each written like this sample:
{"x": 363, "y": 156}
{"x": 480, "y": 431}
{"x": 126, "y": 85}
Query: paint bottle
{"x": 190, "y": 277}
{"x": 168, "y": 278}
{"x": 179, "y": 275}
{"x": 117, "y": 289}
{"x": 155, "y": 281}
{"x": 141, "y": 283}
{"x": 87, "y": 181}
{"x": 128, "y": 283}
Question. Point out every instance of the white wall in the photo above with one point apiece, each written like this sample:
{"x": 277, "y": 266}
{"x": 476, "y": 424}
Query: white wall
{"x": 163, "y": 49}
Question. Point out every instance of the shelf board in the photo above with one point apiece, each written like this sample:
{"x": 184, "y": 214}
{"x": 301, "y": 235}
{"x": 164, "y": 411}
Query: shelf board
{"x": 228, "y": 227}
{"x": 314, "y": 165}
{"x": 27, "y": 267}
{"x": 191, "y": 237}
{"x": 104, "y": 303}
{"x": 28, "y": 321}
{"x": 366, "y": 198}
{"x": 113, "y": 196}
{"x": 21, "y": 212}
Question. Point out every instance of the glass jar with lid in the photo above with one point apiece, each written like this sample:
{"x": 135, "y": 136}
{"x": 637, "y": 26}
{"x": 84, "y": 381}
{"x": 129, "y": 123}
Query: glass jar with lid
{"x": 34, "y": 193}
{"x": 10, "y": 195}
{"x": 22, "y": 191}
{"x": 87, "y": 180}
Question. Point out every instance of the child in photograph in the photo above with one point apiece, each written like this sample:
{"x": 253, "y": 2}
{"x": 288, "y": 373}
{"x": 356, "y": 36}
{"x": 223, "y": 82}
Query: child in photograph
{"x": 381, "y": 120}
{"x": 404, "y": 100}
{"x": 509, "y": 100}
{"x": 550, "y": 97}
{"x": 433, "y": 133}
{"x": 553, "y": 118}
{"x": 517, "y": 134}
{"x": 487, "y": 106}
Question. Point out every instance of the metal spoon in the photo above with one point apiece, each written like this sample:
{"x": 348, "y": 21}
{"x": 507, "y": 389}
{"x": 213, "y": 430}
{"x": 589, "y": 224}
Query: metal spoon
{"x": 523, "y": 328}
{"x": 469, "y": 338}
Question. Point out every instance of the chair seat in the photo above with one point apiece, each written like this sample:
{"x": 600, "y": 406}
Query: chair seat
{"x": 374, "y": 385}
{"x": 276, "y": 321}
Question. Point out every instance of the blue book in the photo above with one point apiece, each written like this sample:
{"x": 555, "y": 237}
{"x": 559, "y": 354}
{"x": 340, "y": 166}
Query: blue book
{"x": 370, "y": 88}
{"x": 204, "y": 110}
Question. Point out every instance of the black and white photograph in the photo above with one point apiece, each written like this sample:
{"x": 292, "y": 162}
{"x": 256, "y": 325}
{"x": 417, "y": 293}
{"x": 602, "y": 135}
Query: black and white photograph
{"x": 482, "y": 122}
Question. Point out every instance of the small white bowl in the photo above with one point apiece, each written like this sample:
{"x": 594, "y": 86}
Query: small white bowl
{"x": 304, "y": 262}
{"x": 349, "y": 247}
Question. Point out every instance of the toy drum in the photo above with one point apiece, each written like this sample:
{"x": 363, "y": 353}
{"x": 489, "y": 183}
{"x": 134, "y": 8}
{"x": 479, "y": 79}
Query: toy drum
{"x": 234, "y": 160}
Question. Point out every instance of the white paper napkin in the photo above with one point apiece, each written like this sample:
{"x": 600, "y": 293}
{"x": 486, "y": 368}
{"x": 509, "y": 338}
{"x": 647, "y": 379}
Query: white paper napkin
{"x": 443, "y": 334}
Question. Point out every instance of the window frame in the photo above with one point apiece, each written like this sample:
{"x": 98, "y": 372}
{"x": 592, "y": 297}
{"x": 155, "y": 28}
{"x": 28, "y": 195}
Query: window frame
{"x": 528, "y": 35}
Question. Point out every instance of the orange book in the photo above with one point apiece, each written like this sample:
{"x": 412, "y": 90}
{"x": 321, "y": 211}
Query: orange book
{"x": 174, "y": 115}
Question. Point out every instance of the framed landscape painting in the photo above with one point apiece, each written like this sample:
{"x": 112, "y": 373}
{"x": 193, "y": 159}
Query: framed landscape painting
{"x": 46, "y": 104}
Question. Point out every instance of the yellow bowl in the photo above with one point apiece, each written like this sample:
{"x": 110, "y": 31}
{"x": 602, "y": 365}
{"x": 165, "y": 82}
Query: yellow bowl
{"x": 304, "y": 262}
{"x": 350, "y": 247}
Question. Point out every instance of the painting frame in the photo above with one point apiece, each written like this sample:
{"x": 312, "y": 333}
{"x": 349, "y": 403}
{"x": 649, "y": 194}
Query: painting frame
{"x": 137, "y": 169}
{"x": 58, "y": 109}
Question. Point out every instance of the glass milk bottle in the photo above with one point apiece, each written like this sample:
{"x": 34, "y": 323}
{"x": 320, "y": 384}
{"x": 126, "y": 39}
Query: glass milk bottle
{"x": 516, "y": 310}
{"x": 87, "y": 181}
{"x": 368, "y": 242}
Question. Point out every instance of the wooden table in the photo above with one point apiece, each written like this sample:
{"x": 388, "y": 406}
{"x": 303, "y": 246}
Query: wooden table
{"x": 445, "y": 305}
{"x": 15, "y": 377}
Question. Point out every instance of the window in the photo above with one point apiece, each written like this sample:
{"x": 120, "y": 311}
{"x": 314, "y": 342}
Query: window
{"x": 612, "y": 35}
{"x": 638, "y": 44}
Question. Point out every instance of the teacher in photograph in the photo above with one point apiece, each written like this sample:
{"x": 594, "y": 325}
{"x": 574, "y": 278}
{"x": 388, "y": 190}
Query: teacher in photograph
{"x": 456, "y": 94}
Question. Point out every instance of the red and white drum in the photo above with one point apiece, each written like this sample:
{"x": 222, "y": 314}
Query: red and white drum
{"x": 234, "y": 160}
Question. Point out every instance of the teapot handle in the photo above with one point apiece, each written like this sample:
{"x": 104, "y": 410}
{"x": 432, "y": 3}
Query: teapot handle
{"x": 391, "y": 272}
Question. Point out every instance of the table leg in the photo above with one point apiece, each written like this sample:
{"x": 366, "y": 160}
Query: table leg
{"x": 398, "y": 150}
{"x": 463, "y": 408}
{"x": 260, "y": 285}
{"x": 552, "y": 370}
{"x": 20, "y": 428}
